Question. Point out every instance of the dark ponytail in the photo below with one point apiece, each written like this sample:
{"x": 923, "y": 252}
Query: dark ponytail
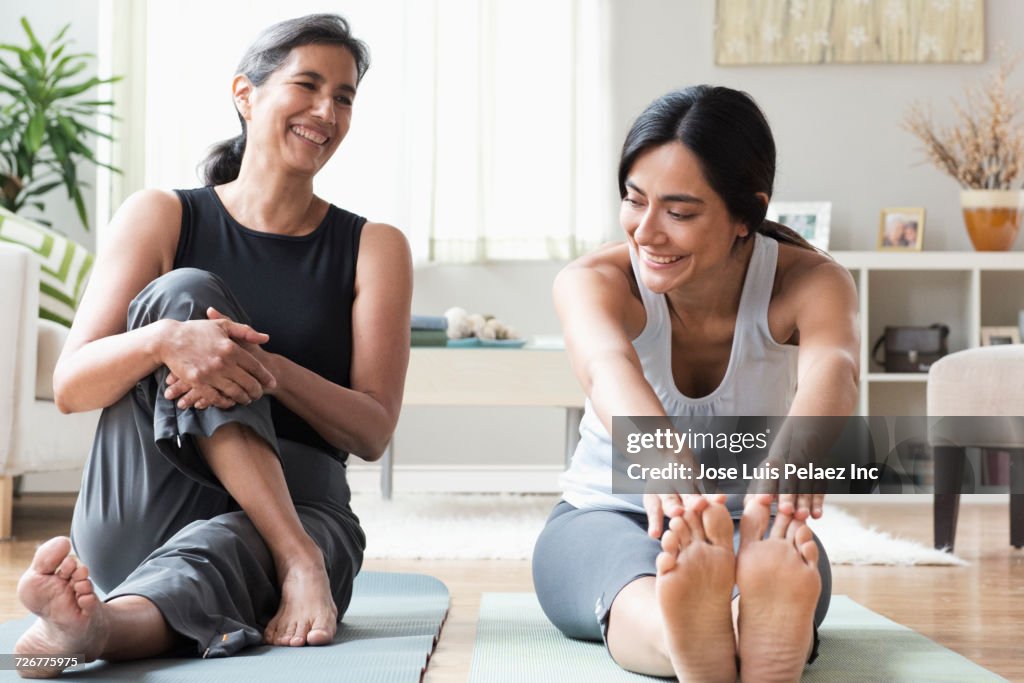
{"x": 730, "y": 136}
{"x": 264, "y": 57}
{"x": 224, "y": 160}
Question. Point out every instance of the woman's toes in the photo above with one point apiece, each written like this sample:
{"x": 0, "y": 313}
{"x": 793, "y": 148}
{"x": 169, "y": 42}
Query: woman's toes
{"x": 299, "y": 636}
{"x": 806, "y": 545}
{"x": 82, "y": 588}
{"x": 270, "y": 632}
{"x": 80, "y": 574}
{"x": 321, "y": 633}
{"x": 754, "y": 522}
{"x": 51, "y": 554}
{"x": 665, "y": 562}
{"x": 695, "y": 525}
{"x": 718, "y": 525}
{"x": 66, "y": 568}
{"x": 87, "y": 602}
{"x": 670, "y": 542}
{"x": 285, "y": 636}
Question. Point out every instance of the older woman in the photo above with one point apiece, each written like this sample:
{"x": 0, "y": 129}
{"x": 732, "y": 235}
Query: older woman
{"x": 242, "y": 338}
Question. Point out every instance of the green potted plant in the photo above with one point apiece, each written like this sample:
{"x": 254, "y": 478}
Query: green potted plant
{"x": 983, "y": 151}
{"x": 45, "y": 119}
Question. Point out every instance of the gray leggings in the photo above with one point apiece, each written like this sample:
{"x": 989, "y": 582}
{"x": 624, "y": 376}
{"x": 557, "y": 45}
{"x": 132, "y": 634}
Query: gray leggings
{"x": 153, "y": 520}
{"x": 584, "y": 557}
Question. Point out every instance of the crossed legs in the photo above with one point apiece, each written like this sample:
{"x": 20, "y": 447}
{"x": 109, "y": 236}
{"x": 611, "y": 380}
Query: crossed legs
{"x": 72, "y": 619}
{"x": 683, "y": 621}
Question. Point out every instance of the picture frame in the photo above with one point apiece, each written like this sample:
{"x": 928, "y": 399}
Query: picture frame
{"x": 811, "y": 220}
{"x": 995, "y": 336}
{"x": 901, "y": 228}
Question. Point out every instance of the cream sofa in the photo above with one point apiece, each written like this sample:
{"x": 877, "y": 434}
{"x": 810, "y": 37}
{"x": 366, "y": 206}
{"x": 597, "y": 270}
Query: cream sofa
{"x": 34, "y": 435}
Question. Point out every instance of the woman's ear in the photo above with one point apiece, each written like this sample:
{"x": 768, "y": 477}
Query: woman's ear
{"x": 241, "y": 91}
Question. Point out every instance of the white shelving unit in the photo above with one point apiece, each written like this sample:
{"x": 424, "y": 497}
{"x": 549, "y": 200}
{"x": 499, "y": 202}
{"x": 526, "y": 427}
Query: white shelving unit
{"x": 964, "y": 290}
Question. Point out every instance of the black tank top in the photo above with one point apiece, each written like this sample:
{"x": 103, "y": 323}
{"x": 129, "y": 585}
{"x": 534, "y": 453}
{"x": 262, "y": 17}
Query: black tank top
{"x": 299, "y": 290}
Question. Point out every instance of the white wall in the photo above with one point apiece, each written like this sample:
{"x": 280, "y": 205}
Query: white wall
{"x": 837, "y": 126}
{"x": 46, "y": 19}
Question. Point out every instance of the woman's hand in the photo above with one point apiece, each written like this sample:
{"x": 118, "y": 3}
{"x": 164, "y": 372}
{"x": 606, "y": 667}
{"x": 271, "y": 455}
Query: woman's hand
{"x": 799, "y": 505}
{"x": 661, "y": 505}
{"x": 214, "y": 363}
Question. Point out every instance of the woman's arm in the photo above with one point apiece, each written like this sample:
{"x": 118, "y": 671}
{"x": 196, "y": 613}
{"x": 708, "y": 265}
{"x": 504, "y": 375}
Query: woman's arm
{"x": 600, "y": 318}
{"x": 101, "y": 361}
{"x": 362, "y": 419}
{"x": 593, "y": 301}
{"x": 828, "y": 368}
{"x": 828, "y": 371}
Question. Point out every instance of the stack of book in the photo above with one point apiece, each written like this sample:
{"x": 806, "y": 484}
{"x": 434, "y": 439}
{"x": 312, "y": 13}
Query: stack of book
{"x": 429, "y": 330}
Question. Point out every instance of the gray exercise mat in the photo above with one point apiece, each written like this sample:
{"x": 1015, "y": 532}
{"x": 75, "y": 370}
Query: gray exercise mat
{"x": 386, "y": 636}
{"x": 515, "y": 643}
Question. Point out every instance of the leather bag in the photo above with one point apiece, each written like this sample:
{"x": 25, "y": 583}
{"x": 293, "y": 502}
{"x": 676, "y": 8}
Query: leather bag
{"x": 911, "y": 349}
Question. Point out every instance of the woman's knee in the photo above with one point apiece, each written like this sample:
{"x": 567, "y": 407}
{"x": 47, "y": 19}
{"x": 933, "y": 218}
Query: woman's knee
{"x": 183, "y": 294}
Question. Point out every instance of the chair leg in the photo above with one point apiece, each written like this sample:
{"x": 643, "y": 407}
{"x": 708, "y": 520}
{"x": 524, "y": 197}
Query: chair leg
{"x": 949, "y": 474}
{"x": 1017, "y": 498}
{"x": 6, "y": 507}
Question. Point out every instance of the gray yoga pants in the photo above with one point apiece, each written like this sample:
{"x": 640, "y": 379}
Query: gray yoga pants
{"x": 153, "y": 520}
{"x": 584, "y": 557}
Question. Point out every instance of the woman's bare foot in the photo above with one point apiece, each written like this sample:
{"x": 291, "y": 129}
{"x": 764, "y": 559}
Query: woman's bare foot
{"x": 694, "y": 589}
{"x": 307, "y": 614}
{"x": 779, "y": 587}
{"x": 57, "y": 589}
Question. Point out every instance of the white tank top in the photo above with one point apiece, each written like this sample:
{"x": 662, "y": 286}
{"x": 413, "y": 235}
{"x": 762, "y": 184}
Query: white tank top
{"x": 760, "y": 380}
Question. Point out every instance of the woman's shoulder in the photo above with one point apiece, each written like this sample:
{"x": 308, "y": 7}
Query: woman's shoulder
{"x": 806, "y": 273}
{"x": 145, "y": 230}
{"x": 610, "y": 261}
{"x": 149, "y": 213}
{"x": 603, "y": 280}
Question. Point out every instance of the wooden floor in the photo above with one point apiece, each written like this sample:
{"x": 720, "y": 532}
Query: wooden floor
{"x": 977, "y": 611}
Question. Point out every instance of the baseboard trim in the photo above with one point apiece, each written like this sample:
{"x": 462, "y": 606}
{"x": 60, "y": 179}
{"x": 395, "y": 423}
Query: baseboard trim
{"x": 459, "y": 478}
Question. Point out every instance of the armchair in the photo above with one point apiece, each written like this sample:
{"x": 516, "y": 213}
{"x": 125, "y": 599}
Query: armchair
{"x": 34, "y": 435}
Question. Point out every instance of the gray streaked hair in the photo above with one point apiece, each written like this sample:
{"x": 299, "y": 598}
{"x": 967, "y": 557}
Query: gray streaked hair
{"x": 265, "y": 56}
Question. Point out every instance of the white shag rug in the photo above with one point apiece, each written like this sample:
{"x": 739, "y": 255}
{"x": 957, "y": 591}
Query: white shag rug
{"x": 505, "y": 526}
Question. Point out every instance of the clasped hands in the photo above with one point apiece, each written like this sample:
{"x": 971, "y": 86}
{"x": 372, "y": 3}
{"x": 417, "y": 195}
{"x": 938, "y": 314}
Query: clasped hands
{"x": 216, "y": 362}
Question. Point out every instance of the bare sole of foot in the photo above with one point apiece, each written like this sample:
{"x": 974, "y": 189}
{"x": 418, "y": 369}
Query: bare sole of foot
{"x": 694, "y": 585}
{"x": 57, "y": 589}
{"x": 307, "y": 614}
{"x": 779, "y": 588}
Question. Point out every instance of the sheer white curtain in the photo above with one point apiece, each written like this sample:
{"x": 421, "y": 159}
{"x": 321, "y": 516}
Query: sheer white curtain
{"x": 480, "y": 129}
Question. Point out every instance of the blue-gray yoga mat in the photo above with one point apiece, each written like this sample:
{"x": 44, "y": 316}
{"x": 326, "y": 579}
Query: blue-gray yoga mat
{"x": 386, "y": 636}
{"x": 515, "y": 643}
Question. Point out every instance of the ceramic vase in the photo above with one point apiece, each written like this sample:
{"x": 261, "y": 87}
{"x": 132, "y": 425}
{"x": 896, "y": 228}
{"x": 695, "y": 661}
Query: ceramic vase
{"x": 992, "y": 217}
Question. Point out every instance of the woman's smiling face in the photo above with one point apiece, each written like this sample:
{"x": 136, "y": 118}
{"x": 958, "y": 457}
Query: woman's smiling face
{"x": 680, "y": 227}
{"x": 303, "y": 111}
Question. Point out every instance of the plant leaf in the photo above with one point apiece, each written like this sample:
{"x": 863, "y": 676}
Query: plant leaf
{"x": 80, "y": 205}
{"x": 77, "y": 89}
{"x": 37, "y": 48}
{"x": 34, "y": 133}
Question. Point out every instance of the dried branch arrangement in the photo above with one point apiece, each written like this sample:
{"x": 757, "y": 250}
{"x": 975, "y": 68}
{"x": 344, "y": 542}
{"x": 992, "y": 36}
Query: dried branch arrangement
{"x": 984, "y": 148}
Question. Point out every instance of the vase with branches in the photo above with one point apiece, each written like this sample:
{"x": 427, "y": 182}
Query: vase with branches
{"x": 983, "y": 150}
{"x": 46, "y": 119}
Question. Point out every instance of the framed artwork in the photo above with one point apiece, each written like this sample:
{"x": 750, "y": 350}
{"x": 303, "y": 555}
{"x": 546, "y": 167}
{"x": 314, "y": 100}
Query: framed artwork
{"x": 849, "y": 31}
{"x": 901, "y": 228}
{"x": 810, "y": 219}
{"x": 994, "y": 336}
